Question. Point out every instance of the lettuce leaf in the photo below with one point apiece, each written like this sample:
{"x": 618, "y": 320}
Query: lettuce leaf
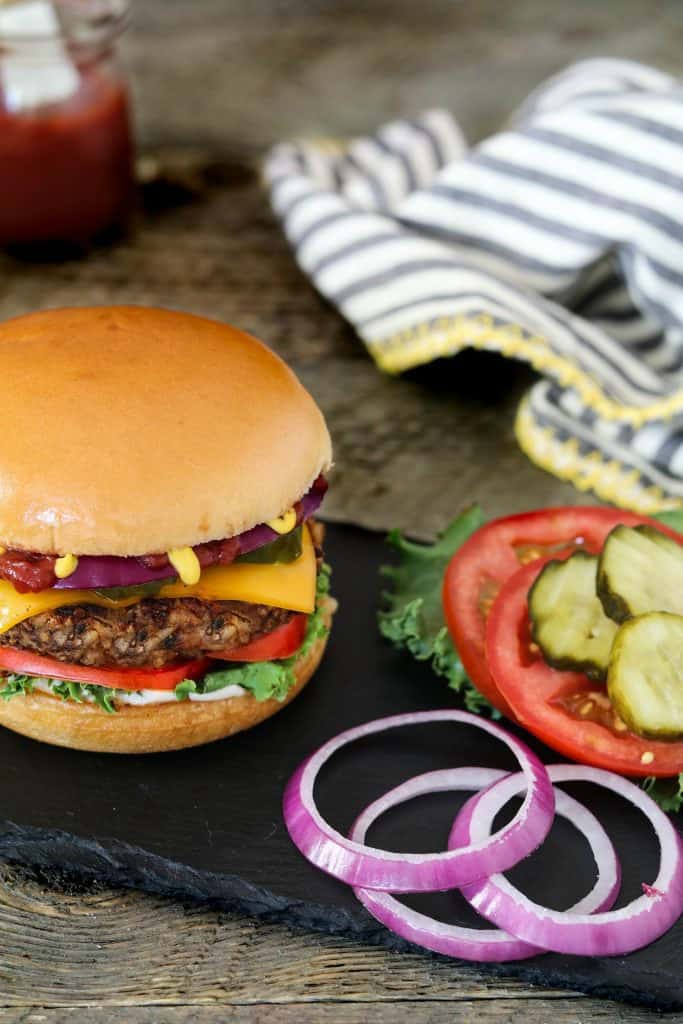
{"x": 413, "y": 619}
{"x": 673, "y": 518}
{"x": 16, "y": 685}
{"x": 668, "y": 793}
{"x": 265, "y": 679}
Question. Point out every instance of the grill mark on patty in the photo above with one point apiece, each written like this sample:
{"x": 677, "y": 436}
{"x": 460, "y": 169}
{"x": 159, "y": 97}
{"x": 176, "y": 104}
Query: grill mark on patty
{"x": 153, "y": 633}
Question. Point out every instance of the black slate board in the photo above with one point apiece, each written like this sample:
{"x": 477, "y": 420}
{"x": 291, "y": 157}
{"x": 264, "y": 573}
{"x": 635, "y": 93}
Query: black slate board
{"x": 207, "y": 823}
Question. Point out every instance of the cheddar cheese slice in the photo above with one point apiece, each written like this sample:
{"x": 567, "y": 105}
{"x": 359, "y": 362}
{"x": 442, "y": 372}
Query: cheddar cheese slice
{"x": 283, "y": 585}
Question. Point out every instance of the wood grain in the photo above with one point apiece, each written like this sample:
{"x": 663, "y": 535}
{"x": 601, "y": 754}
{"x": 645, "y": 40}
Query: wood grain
{"x": 215, "y": 84}
{"x": 500, "y": 1011}
{"x": 93, "y": 947}
{"x": 242, "y": 74}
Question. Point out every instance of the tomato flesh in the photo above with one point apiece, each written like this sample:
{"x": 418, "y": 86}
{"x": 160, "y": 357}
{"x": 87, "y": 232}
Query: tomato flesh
{"x": 27, "y": 663}
{"x": 495, "y": 552}
{"x": 566, "y": 710}
{"x": 279, "y": 643}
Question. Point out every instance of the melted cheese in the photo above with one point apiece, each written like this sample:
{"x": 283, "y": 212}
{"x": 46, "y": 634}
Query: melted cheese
{"x": 15, "y": 607}
{"x": 284, "y": 585}
{"x": 290, "y": 585}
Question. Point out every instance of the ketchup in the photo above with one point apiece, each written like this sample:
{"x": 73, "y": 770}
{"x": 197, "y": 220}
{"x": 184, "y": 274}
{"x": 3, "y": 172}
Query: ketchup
{"x": 66, "y": 169}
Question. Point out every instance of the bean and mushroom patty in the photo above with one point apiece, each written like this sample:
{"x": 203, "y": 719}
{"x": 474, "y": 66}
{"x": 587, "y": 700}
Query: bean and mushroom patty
{"x": 151, "y": 634}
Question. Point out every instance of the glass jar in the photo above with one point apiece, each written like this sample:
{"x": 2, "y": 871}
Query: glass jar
{"x": 66, "y": 149}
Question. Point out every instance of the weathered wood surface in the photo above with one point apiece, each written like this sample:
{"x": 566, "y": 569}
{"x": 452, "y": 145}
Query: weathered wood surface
{"x": 112, "y": 950}
{"x": 215, "y": 83}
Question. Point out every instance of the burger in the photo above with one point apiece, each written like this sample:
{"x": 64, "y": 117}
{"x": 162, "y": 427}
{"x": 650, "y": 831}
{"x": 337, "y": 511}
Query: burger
{"x": 161, "y": 573}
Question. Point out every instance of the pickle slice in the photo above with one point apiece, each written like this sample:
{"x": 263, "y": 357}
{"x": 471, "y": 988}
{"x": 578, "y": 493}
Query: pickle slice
{"x": 286, "y": 548}
{"x": 645, "y": 677}
{"x": 640, "y": 570}
{"x": 567, "y": 620}
{"x": 140, "y": 590}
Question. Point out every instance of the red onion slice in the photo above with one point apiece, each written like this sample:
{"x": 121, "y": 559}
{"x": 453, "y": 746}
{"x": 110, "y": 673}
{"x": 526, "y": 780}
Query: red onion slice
{"x": 255, "y": 538}
{"x": 101, "y": 571}
{"x": 490, "y": 944}
{"x": 370, "y": 868}
{"x": 610, "y": 933}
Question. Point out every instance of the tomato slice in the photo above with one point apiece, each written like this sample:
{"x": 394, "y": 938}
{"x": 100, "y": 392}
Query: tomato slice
{"x": 566, "y": 710}
{"x": 495, "y": 552}
{"x": 27, "y": 663}
{"x": 279, "y": 643}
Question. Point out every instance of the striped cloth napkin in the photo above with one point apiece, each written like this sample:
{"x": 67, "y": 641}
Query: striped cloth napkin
{"x": 558, "y": 241}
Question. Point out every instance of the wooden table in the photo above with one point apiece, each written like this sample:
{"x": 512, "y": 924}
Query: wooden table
{"x": 215, "y": 84}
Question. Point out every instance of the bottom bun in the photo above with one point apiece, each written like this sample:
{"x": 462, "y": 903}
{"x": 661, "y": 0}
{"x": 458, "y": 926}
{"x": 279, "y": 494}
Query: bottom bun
{"x": 153, "y": 728}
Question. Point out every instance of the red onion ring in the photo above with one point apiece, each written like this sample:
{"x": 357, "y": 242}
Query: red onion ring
{"x": 370, "y": 868}
{"x": 609, "y": 933}
{"x": 102, "y": 571}
{"x": 260, "y": 535}
{"x": 490, "y": 944}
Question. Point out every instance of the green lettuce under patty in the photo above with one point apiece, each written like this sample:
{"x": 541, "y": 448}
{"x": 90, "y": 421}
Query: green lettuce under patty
{"x": 18, "y": 685}
{"x": 263, "y": 679}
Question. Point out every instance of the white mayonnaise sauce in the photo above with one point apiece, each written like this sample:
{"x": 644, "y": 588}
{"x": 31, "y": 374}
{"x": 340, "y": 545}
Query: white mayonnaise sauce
{"x": 141, "y": 697}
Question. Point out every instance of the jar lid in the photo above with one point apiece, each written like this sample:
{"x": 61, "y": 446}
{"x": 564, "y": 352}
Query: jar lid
{"x": 77, "y": 23}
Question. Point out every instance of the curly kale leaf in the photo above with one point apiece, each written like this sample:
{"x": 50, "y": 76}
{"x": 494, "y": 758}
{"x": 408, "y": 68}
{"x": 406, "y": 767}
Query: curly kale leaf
{"x": 413, "y": 617}
{"x": 668, "y": 793}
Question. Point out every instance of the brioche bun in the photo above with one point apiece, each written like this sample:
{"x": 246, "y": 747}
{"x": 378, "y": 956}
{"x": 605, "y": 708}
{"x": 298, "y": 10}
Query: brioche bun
{"x": 154, "y": 727}
{"x": 129, "y": 430}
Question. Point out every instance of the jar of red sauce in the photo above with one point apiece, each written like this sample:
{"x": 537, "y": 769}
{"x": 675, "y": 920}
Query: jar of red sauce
{"x": 66, "y": 150}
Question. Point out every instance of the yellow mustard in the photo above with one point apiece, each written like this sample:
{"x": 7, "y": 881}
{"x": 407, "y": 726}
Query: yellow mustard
{"x": 65, "y": 566}
{"x": 186, "y": 564}
{"x": 283, "y": 524}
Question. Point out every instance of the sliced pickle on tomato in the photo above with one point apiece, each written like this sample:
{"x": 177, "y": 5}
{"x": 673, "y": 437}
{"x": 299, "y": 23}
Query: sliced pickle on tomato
{"x": 286, "y": 548}
{"x": 494, "y": 553}
{"x": 645, "y": 679}
{"x": 567, "y": 619}
{"x": 566, "y": 710}
{"x": 640, "y": 571}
